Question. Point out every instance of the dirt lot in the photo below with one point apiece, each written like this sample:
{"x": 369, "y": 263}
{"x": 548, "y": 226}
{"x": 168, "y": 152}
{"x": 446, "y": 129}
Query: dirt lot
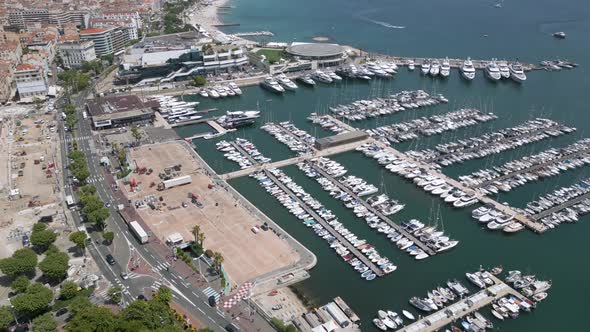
{"x": 226, "y": 225}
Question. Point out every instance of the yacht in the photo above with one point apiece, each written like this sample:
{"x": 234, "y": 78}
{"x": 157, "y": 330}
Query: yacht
{"x": 322, "y": 77}
{"x": 411, "y": 65}
{"x": 467, "y": 70}
{"x": 238, "y": 119}
{"x": 286, "y": 82}
{"x": 516, "y": 72}
{"x": 435, "y": 68}
{"x": 492, "y": 71}
{"x": 213, "y": 93}
{"x": 203, "y": 93}
{"x": 425, "y": 67}
{"x": 445, "y": 68}
{"x": 270, "y": 84}
{"x": 306, "y": 79}
{"x": 504, "y": 69}
{"x": 235, "y": 88}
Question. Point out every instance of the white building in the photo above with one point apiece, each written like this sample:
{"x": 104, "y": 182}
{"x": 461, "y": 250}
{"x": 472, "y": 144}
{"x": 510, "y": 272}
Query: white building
{"x": 30, "y": 82}
{"x": 106, "y": 41}
{"x": 74, "y": 53}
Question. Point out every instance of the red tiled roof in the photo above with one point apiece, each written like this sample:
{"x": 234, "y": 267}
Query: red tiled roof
{"x": 91, "y": 31}
{"x": 26, "y": 66}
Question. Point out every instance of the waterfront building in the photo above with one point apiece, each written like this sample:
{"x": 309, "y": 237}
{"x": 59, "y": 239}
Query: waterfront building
{"x": 320, "y": 54}
{"x": 74, "y": 53}
{"x": 119, "y": 111}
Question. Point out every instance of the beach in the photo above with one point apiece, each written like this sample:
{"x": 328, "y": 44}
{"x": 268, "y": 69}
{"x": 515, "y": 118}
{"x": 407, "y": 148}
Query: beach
{"x": 206, "y": 15}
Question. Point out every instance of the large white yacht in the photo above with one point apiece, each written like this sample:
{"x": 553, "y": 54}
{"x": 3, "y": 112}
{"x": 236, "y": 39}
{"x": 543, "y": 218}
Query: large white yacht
{"x": 516, "y": 72}
{"x": 286, "y": 82}
{"x": 445, "y": 68}
{"x": 271, "y": 85}
{"x": 435, "y": 68}
{"x": 492, "y": 71}
{"x": 322, "y": 77}
{"x": 235, "y": 88}
{"x": 467, "y": 70}
{"x": 425, "y": 67}
{"x": 504, "y": 69}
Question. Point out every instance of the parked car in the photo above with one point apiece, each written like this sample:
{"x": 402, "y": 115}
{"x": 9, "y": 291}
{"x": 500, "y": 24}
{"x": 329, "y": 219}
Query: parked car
{"x": 110, "y": 259}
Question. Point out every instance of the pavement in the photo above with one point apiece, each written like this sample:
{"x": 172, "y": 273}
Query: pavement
{"x": 159, "y": 266}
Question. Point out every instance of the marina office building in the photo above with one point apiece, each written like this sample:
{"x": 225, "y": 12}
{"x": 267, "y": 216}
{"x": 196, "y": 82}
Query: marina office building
{"x": 119, "y": 111}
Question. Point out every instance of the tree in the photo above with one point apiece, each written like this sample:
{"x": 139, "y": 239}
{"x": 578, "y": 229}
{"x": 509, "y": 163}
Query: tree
{"x": 55, "y": 265}
{"x": 201, "y": 239}
{"x": 136, "y": 133}
{"x": 79, "y": 239}
{"x": 38, "y": 103}
{"x": 68, "y": 290}
{"x": 217, "y": 261}
{"x": 41, "y": 237}
{"x": 196, "y": 230}
{"x": 199, "y": 80}
{"x": 98, "y": 217}
{"x": 115, "y": 294}
{"x": 93, "y": 318}
{"x": 79, "y": 303}
{"x": 44, "y": 323}
{"x": 164, "y": 294}
{"x": 6, "y": 317}
{"x": 34, "y": 301}
{"x": 20, "y": 284}
{"x": 22, "y": 261}
{"x": 108, "y": 236}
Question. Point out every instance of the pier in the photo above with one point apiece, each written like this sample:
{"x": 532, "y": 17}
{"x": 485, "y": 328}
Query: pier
{"x": 560, "y": 207}
{"x": 254, "y": 34}
{"x": 462, "y": 308}
{"x": 455, "y": 63}
{"x": 191, "y": 122}
{"x": 381, "y": 216}
{"x": 315, "y": 216}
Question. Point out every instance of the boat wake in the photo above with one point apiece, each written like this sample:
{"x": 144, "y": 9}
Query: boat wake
{"x": 387, "y": 25}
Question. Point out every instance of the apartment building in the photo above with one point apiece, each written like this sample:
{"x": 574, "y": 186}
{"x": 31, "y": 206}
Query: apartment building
{"x": 74, "y": 53}
{"x": 106, "y": 40}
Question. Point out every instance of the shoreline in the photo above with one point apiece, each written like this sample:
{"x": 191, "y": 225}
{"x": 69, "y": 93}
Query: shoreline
{"x": 206, "y": 16}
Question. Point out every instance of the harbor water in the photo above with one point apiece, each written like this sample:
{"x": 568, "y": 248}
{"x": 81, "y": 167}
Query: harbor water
{"x": 454, "y": 28}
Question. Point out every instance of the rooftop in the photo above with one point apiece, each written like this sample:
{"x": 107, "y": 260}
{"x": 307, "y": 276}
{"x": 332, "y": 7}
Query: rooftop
{"x": 92, "y": 31}
{"x": 315, "y": 49}
{"x": 115, "y": 104}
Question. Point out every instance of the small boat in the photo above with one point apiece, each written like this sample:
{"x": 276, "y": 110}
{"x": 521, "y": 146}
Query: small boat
{"x": 540, "y": 296}
{"x": 497, "y": 270}
{"x": 559, "y": 35}
{"x": 379, "y": 324}
{"x": 497, "y": 315}
{"x": 408, "y": 315}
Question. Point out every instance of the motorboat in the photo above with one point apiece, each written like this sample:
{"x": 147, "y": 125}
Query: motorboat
{"x": 476, "y": 280}
{"x": 445, "y": 68}
{"x": 285, "y": 82}
{"x": 559, "y": 35}
{"x": 408, "y": 315}
{"x": 435, "y": 68}
{"x": 504, "y": 69}
{"x": 235, "y": 88}
{"x": 322, "y": 77}
{"x": 203, "y": 93}
{"x": 468, "y": 70}
{"x": 422, "y": 304}
{"x": 306, "y": 79}
{"x": 271, "y": 85}
{"x": 492, "y": 71}
{"x": 411, "y": 65}
{"x": 379, "y": 324}
{"x": 516, "y": 72}
{"x": 425, "y": 67}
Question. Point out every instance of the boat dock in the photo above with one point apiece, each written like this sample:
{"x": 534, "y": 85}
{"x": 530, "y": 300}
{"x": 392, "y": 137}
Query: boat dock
{"x": 254, "y": 34}
{"x": 520, "y": 217}
{"x": 381, "y": 216}
{"x": 315, "y": 216}
{"x": 560, "y": 207}
{"x": 462, "y": 308}
{"x": 455, "y": 63}
{"x": 340, "y": 302}
{"x": 191, "y": 122}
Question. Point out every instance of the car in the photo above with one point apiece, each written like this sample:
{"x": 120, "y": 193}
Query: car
{"x": 124, "y": 276}
{"x": 141, "y": 297}
{"x": 61, "y": 312}
{"x": 212, "y": 301}
{"x": 26, "y": 241}
{"x": 232, "y": 328}
{"x": 110, "y": 259}
{"x": 108, "y": 204}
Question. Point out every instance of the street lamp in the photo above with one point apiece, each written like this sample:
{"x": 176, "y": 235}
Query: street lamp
{"x": 13, "y": 314}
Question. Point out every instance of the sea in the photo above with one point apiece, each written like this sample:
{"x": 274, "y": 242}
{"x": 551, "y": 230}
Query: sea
{"x": 431, "y": 28}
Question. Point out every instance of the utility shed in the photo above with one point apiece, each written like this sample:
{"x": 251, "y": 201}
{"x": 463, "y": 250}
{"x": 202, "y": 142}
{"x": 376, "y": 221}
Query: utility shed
{"x": 340, "y": 139}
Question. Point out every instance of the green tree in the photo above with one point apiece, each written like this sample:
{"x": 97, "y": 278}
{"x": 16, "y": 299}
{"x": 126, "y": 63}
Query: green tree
{"x": 55, "y": 265}
{"x": 199, "y": 80}
{"x": 78, "y": 304}
{"x": 196, "y": 230}
{"x": 217, "y": 261}
{"x": 44, "y": 323}
{"x": 22, "y": 261}
{"x": 115, "y": 294}
{"x": 68, "y": 290}
{"x": 98, "y": 217}
{"x": 6, "y": 317}
{"x": 201, "y": 239}
{"x": 20, "y": 284}
{"x": 38, "y": 103}
{"x": 34, "y": 301}
{"x": 164, "y": 294}
{"x": 136, "y": 133}
{"x": 93, "y": 318}
{"x": 108, "y": 236}
{"x": 41, "y": 237}
{"x": 79, "y": 239}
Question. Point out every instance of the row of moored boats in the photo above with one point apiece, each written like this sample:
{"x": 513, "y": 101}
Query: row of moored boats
{"x": 175, "y": 111}
{"x": 221, "y": 91}
{"x": 296, "y": 139}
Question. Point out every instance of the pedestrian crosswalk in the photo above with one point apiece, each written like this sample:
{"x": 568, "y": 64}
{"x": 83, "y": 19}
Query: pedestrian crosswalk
{"x": 161, "y": 267}
{"x": 211, "y": 292}
{"x": 133, "y": 275}
{"x": 94, "y": 179}
{"x": 77, "y": 138}
{"x": 156, "y": 285}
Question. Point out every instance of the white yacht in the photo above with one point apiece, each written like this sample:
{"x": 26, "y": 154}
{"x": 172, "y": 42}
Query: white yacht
{"x": 235, "y": 88}
{"x": 411, "y": 65}
{"x": 425, "y": 67}
{"x": 492, "y": 71}
{"x": 286, "y": 82}
{"x": 445, "y": 68}
{"x": 271, "y": 85}
{"x": 221, "y": 91}
{"x": 322, "y": 77}
{"x": 467, "y": 70}
{"x": 203, "y": 93}
{"x": 504, "y": 69}
{"x": 435, "y": 68}
{"x": 516, "y": 72}
{"x": 306, "y": 79}
{"x": 213, "y": 93}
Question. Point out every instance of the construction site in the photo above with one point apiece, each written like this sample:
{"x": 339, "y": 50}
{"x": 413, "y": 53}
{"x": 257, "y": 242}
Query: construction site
{"x": 172, "y": 192}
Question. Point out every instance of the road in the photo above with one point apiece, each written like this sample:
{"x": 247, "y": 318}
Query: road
{"x": 164, "y": 270}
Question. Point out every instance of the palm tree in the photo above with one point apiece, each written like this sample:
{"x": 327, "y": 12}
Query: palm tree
{"x": 196, "y": 230}
{"x": 217, "y": 261}
{"x": 201, "y": 238}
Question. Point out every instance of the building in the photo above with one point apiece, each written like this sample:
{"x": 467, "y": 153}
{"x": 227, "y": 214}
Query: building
{"x": 31, "y": 82}
{"x": 128, "y": 26}
{"x": 122, "y": 15}
{"x": 340, "y": 139}
{"x": 7, "y": 86}
{"x": 11, "y": 51}
{"x": 324, "y": 55}
{"x": 119, "y": 111}
{"x": 74, "y": 53}
{"x": 106, "y": 41}
{"x": 20, "y": 17}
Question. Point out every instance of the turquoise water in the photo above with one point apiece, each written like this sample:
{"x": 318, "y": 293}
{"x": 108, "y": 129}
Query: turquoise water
{"x": 454, "y": 28}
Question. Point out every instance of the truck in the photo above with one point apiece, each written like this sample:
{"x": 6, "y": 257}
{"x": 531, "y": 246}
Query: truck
{"x": 138, "y": 231}
{"x": 70, "y": 201}
{"x": 175, "y": 182}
